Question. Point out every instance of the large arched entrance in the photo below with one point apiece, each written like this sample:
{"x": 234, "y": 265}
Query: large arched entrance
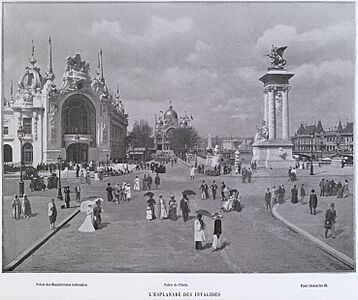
{"x": 79, "y": 117}
{"x": 77, "y": 152}
{"x": 7, "y": 153}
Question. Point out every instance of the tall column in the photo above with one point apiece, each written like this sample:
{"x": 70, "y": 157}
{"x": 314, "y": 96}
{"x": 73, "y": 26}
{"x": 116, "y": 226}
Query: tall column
{"x": 285, "y": 121}
{"x": 266, "y": 107}
{"x": 272, "y": 115}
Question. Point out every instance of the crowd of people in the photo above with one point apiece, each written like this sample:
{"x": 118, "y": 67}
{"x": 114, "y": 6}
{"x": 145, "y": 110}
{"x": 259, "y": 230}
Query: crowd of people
{"x": 21, "y": 208}
{"x": 331, "y": 188}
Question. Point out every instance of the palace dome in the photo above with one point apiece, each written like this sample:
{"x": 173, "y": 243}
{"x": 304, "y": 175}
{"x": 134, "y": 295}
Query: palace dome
{"x": 170, "y": 113}
{"x": 32, "y": 79}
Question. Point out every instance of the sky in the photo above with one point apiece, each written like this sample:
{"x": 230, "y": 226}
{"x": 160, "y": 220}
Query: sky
{"x": 204, "y": 57}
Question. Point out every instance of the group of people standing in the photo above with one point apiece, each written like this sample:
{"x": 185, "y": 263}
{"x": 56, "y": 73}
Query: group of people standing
{"x": 21, "y": 208}
{"x": 119, "y": 193}
{"x": 167, "y": 212}
{"x": 199, "y": 232}
{"x": 331, "y": 188}
{"x": 274, "y": 196}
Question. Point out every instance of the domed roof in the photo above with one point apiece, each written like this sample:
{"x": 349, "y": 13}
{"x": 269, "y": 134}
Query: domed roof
{"x": 170, "y": 113}
{"x": 32, "y": 79}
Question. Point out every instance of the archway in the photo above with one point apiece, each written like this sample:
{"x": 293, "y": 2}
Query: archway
{"x": 77, "y": 152}
{"x": 79, "y": 117}
{"x": 27, "y": 156}
{"x": 7, "y": 153}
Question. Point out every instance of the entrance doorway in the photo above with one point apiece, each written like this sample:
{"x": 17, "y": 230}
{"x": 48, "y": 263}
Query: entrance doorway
{"x": 77, "y": 152}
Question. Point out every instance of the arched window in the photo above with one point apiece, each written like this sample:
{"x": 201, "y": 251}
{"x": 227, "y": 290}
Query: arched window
{"x": 7, "y": 153}
{"x": 27, "y": 153}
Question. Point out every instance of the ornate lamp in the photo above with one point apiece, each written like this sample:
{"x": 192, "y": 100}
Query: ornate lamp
{"x": 20, "y": 135}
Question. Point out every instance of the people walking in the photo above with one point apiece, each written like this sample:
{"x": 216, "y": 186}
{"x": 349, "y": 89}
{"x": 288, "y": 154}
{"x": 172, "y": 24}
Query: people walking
{"x": 172, "y": 209}
{"x": 313, "y": 202}
{"x": 16, "y": 208}
{"x": 149, "y": 182}
{"x": 273, "y": 196}
{"x": 302, "y": 194}
{"x": 97, "y": 218}
{"x": 127, "y": 191}
{"x": 213, "y": 189}
{"x": 199, "y": 234}
{"x": 67, "y": 196}
{"x": 157, "y": 181}
{"x": 162, "y": 208}
{"x": 109, "y": 190}
{"x": 150, "y": 215}
{"x": 345, "y": 189}
{"x": 184, "y": 206}
{"x": 329, "y": 221}
{"x": 192, "y": 172}
{"x": 204, "y": 190}
{"x": 78, "y": 193}
{"x": 144, "y": 183}
{"x": 136, "y": 186}
{"x": 52, "y": 213}
{"x": 268, "y": 199}
{"x": 26, "y": 207}
{"x": 217, "y": 232}
{"x": 294, "y": 195}
{"x": 116, "y": 193}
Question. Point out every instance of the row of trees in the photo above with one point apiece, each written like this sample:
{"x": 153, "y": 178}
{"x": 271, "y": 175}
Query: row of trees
{"x": 181, "y": 139}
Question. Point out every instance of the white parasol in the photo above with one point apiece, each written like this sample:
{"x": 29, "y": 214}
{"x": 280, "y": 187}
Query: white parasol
{"x": 86, "y": 204}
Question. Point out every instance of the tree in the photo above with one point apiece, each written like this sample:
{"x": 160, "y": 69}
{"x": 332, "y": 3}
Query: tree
{"x": 183, "y": 140}
{"x": 141, "y": 135}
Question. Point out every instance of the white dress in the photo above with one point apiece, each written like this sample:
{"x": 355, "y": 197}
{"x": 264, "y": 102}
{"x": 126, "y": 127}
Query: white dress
{"x": 163, "y": 209}
{"x": 136, "y": 184}
{"x": 87, "y": 225}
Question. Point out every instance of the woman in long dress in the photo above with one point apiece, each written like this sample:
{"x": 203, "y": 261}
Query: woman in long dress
{"x": 87, "y": 225}
{"x": 227, "y": 205}
{"x": 136, "y": 184}
{"x": 173, "y": 209}
{"x": 217, "y": 231}
{"x": 26, "y": 207}
{"x": 16, "y": 207}
{"x": 163, "y": 208}
{"x": 345, "y": 189}
{"x": 150, "y": 214}
{"x": 199, "y": 234}
{"x": 128, "y": 193}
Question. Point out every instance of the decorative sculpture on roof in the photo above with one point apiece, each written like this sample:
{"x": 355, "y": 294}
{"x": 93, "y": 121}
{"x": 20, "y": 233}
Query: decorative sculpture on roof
{"x": 75, "y": 63}
{"x": 262, "y": 134}
{"x": 276, "y": 55}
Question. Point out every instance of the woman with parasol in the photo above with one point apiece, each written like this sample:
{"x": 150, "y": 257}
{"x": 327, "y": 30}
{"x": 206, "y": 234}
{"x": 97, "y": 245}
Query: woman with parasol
{"x": 87, "y": 225}
{"x": 150, "y": 213}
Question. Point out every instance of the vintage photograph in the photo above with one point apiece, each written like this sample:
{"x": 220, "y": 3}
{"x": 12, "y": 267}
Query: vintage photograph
{"x": 178, "y": 137}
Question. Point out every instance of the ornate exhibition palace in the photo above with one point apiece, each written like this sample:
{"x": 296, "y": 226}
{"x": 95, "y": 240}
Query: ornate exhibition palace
{"x": 80, "y": 121}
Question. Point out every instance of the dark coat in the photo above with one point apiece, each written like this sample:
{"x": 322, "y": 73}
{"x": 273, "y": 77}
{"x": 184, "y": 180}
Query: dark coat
{"x": 313, "y": 200}
{"x": 217, "y": 227}
{"x": 268, "y": 197}
{"x": 330, "y": 218}
{"x": 294, "y": 197}
{"x": 184, "y": 206}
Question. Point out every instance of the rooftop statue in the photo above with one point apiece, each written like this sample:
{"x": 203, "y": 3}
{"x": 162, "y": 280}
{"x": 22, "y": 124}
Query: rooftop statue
{"x": 276, "y": 55}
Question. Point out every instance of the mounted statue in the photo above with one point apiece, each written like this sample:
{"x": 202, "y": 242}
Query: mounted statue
{"x": 276, "y": 55}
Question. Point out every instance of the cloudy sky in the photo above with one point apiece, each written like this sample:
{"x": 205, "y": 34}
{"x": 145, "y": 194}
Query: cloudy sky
{"x": 206, "y": 58}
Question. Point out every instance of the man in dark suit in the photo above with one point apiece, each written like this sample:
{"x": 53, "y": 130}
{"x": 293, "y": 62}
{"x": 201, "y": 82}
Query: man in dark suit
{"x": 330, "y": 220}
{"x": 313, "y": 202}
{"x": 184, "y": 206}
{"x": 268, "y": 199}
{"x": 217, "y": 232}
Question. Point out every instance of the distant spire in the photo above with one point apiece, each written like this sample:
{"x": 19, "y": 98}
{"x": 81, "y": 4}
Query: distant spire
{"x": 117, "y": 92}
{"x": 11, "y": 90}
{"x": 210, "y": 143}
{"x": 99, "y": 62}
{"x": 101, "y": 55}
{"x": 32, "y": 60}
{"x": 49, "y": 74}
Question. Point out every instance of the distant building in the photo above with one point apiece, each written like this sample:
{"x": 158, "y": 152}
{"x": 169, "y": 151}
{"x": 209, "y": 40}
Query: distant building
{"x": 82, "y": 120}
{"x": 165, "y": 125}
{"x": 326, "y": 142}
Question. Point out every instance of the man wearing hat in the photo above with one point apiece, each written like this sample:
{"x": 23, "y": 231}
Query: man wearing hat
{"x": 97, "y": 210}
{"x": 330, "y": 220}
{"x": 217, "y": 231}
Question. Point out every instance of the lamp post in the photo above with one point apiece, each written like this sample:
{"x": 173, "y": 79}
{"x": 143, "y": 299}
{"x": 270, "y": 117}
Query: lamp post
{"x": 312, "y": 136}
{"x": 107, "y": 155}
{"x": 77, "y": 139}
{"x": 20, "y": 135}
{"x": 196, "y": 155}
{"x": 59, "y": 190}
{"x": 185, "y": 151}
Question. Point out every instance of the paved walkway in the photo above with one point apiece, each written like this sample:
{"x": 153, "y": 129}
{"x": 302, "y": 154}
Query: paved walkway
{"x": 300, "y": 215}
{"x": 255, "y": 241}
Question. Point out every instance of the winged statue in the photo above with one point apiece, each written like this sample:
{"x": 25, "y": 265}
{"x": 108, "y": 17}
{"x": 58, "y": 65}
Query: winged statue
{"x": 276, "y": 55}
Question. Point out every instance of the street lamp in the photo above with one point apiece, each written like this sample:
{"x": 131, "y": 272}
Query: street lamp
{"x": 107, "y": 155}
{"x": 59, "y": 191}
{"x": 196, "y": 155}
{"x": 77, "y": 139}
{"x": 312, "y": 136}
{"x": 20, "y": 135}
{"x": 185, "y": 151}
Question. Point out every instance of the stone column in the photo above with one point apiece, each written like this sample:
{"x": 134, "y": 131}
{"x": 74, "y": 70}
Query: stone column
{"x": 266, "y": 107}
{"x": 285, "y": 120}
{"x": 271, "y": 115}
